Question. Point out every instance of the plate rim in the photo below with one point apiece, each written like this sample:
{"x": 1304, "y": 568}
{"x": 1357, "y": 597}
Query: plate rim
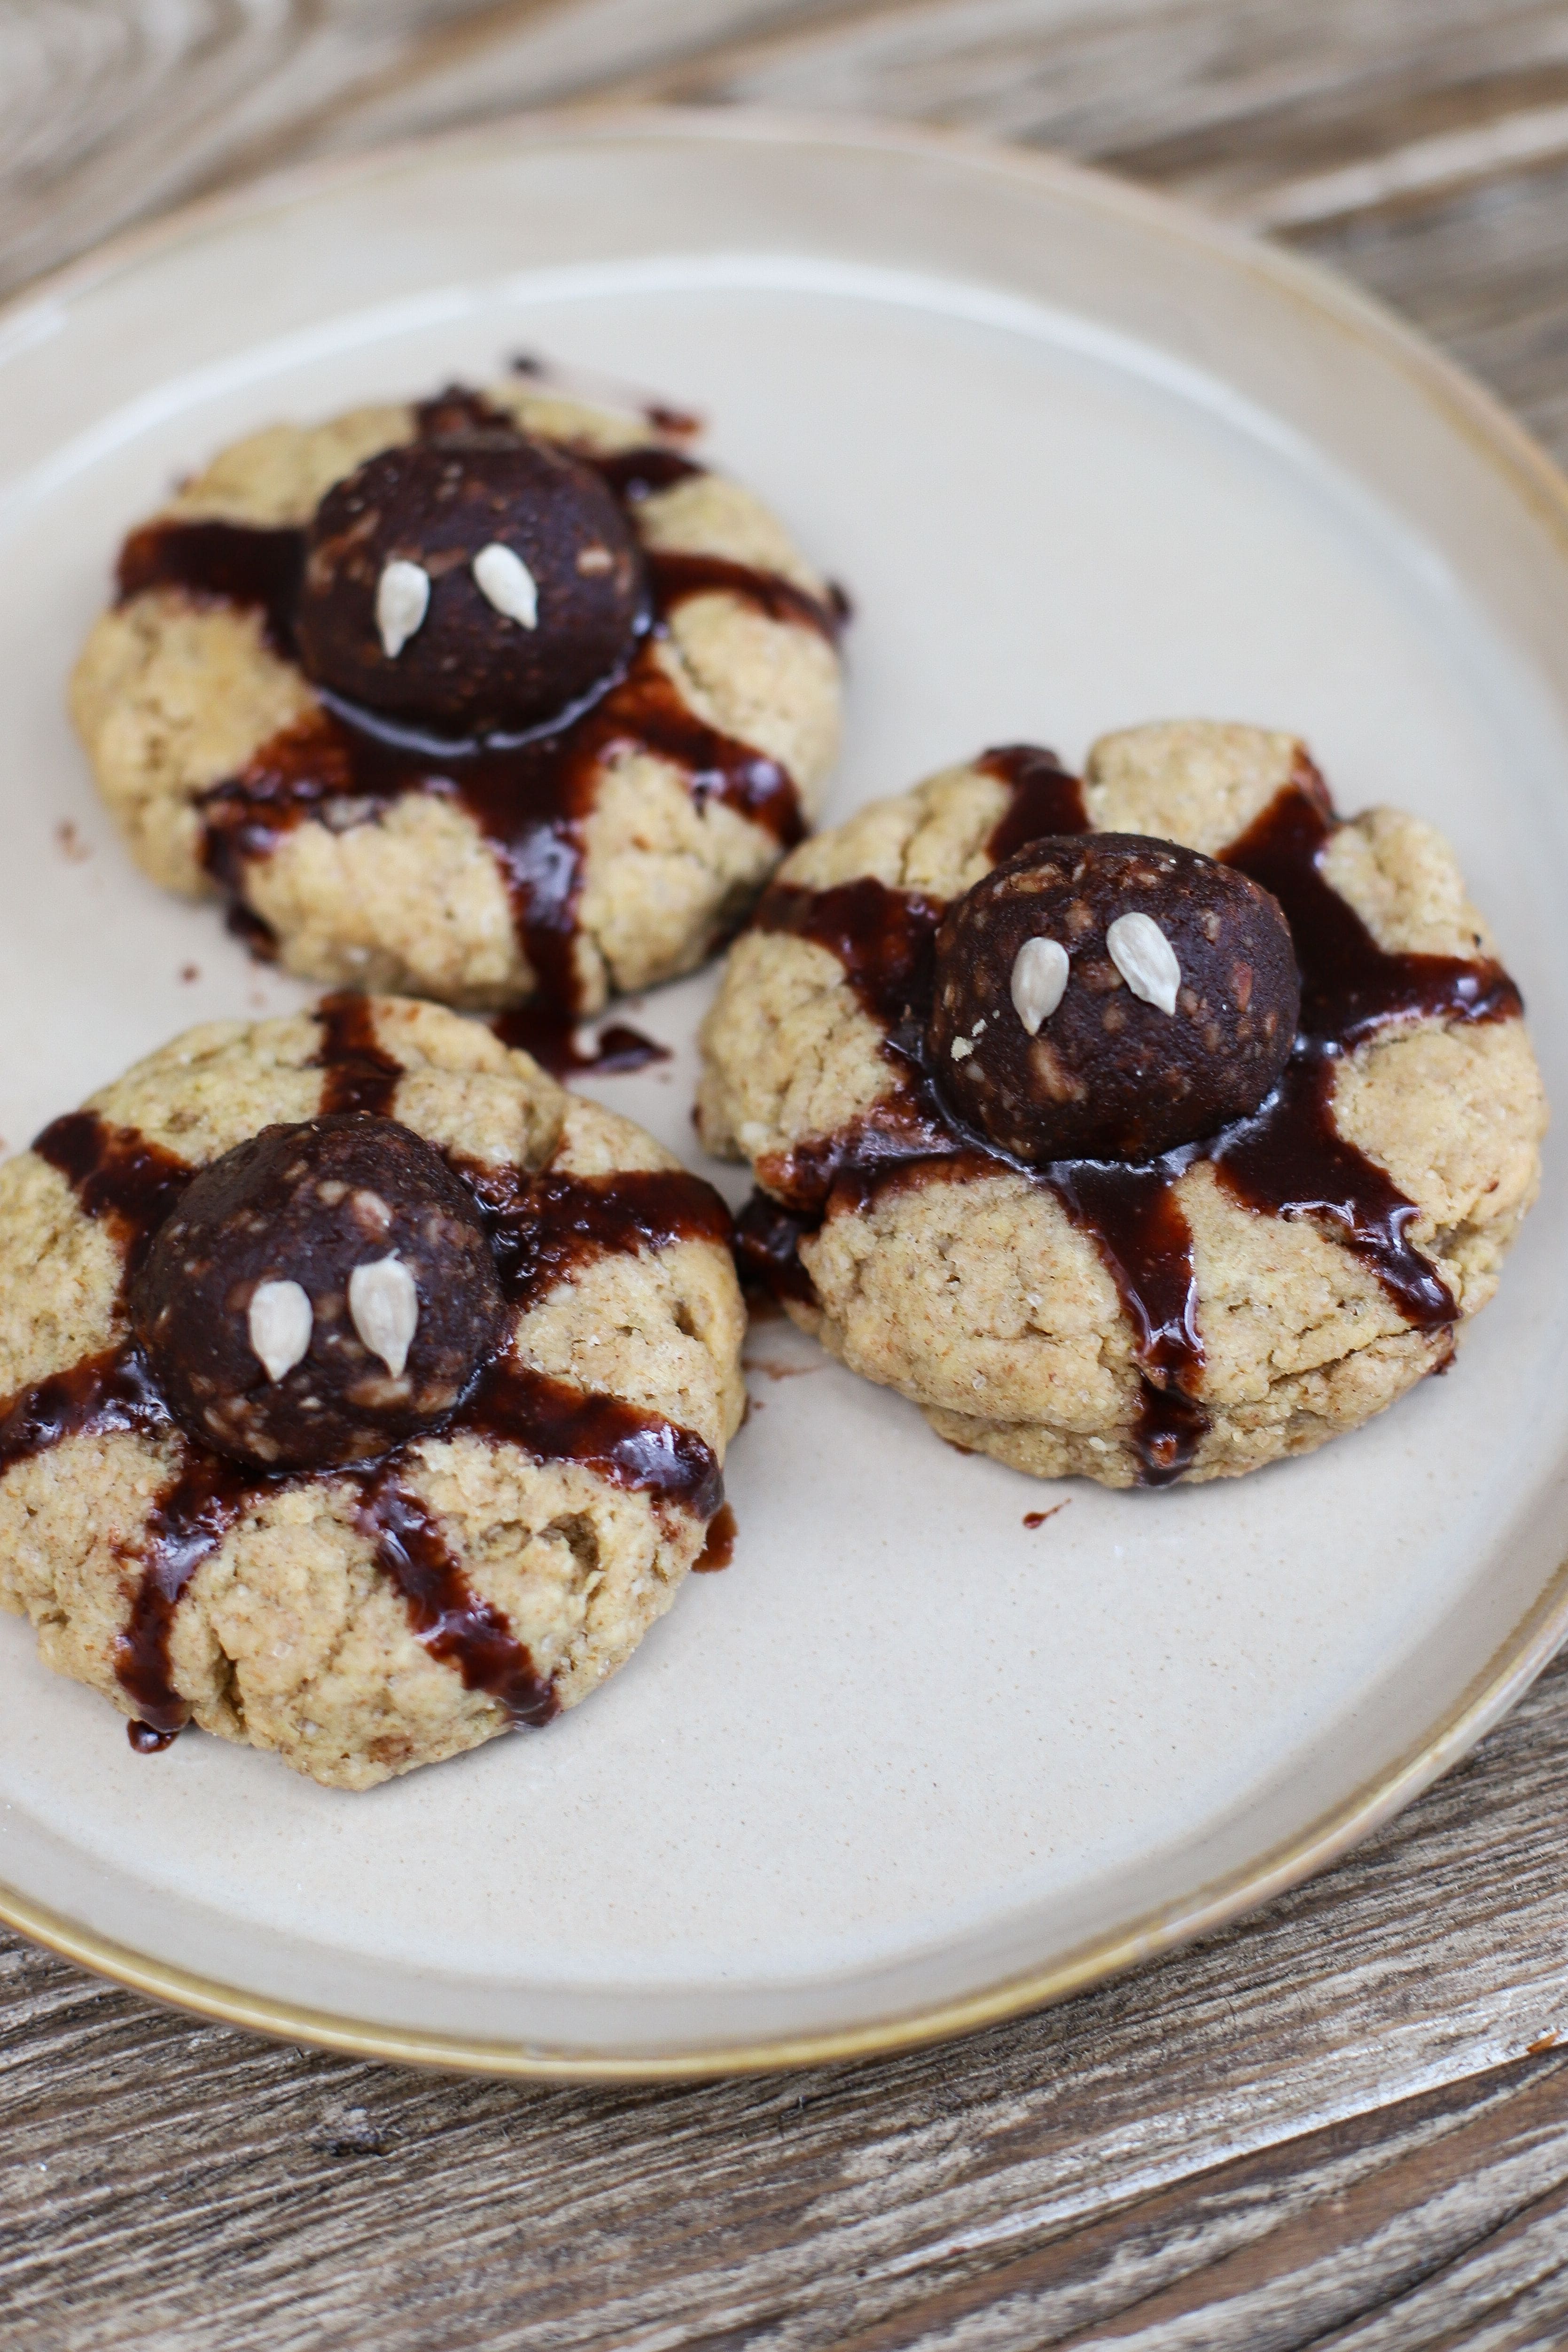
{"x": 1514, "y": 1664}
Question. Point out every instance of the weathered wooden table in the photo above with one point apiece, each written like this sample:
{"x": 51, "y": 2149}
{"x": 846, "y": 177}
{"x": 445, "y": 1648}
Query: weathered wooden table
{"x": 1346, "y": 2121}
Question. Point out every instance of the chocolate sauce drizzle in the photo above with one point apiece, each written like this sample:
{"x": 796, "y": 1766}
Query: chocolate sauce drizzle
{"x": 553, "y": 1039}
{"x": 542, "y": 1226}
{"x": 1045, "y": 799}
{"x": 528, "y": 796}
{"x": 219, "y": 563}
{"x": 719, "y": 1551}
{"x": 360, "y": 1075}
{"x": 1289, "y": 1159}
{"x": 117, "y": 1175}
{"x": 452, "y": 1622}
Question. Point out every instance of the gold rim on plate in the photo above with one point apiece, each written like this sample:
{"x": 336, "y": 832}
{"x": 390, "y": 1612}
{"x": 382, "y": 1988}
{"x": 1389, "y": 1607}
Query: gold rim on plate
{"x": 1517, "y": 1661}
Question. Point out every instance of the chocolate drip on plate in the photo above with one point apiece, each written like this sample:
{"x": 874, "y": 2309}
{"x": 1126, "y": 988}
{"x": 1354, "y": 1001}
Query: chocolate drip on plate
{"x": 528, "y": 796}
{"x": 147, "y": 1741}
{"x": 451, "y": 1620}
{"x": 1287, "y": 1160}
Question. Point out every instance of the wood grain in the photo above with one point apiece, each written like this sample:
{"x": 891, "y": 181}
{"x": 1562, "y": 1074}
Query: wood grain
{"x": 1420, "y": 145}
{"x": 1345, "y": 2122}
{"x": 1350, "y": 2102}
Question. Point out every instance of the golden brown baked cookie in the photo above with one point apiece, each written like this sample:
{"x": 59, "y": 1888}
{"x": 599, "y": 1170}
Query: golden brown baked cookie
{"x": 1244, "y": 1298}
{"x": 362, "y": 1615}
{"x": 606, "y": 851}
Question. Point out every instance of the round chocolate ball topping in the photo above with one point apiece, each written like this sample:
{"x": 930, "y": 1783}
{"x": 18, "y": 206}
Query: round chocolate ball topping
{"x": 473, "y": 584}
{"x": 319, "y": 1294}
{"x": 1107, "y": 995}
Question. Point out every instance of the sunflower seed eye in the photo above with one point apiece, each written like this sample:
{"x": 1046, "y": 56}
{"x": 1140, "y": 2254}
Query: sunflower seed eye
{"x": 504, "y": 580}
{"x": 1145, "y": 959}
{"x": 384, "y": 1307}
{"x": 402, "y": 600}
{"x": 280, "y": 1321}
{"x": 1039, "y": 981}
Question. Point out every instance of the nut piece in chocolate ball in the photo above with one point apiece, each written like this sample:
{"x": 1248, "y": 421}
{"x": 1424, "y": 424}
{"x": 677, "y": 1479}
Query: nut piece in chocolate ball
{"x": 319, "y": 1294}
{"x": 472, "y": 584}
{"x": 1110, "y": 996}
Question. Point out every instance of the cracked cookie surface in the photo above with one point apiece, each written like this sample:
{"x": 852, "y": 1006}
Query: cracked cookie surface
{"x": 361, "y": 1621}
{"x": 1215, "y": 1313}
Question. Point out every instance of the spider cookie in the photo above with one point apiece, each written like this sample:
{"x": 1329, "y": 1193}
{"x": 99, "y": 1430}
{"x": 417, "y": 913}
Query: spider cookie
{"x": 497, "y": 698}
{"x": 1149, "y": 1128}
{"x": 367, "y": 1394}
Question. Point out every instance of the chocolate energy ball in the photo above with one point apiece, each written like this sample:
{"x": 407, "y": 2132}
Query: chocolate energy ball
{"x": 319, "y": 1294}
{"x": 476, "y": 583}
{"x": 1110, "y": 996}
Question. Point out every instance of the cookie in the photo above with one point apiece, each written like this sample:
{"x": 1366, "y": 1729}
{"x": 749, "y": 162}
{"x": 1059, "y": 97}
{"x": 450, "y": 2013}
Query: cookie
{"x": 367, "y": 1394}
{"x": 1248, "y": 1294}
{"x": 496, "y": 699}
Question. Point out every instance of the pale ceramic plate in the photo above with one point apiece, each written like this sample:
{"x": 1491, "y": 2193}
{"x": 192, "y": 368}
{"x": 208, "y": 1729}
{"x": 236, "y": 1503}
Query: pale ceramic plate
{"x": 1081, "y": 460}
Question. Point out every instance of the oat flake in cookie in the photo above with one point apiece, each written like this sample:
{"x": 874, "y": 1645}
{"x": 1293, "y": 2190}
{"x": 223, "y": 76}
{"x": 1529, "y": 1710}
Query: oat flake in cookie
{"x": 365, "y": 1395}
{"x": 1160, "y": 1248}
{"x": 500, "y": 700}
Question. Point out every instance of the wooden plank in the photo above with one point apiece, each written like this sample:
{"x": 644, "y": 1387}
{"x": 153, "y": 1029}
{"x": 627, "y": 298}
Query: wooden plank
{"x": 1239, "y": 103}
{"x": 113, "y": 108}
{"x": 1430, "y": 2213}
{"x": 1421, "y": 144}
{"x": 1484, "y": 270}
{"x": 1083, "y": 2161}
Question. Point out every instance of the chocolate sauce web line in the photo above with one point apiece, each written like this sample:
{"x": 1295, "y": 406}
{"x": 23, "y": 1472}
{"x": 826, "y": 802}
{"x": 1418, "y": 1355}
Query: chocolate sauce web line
{"x": 1289, "y": 1159}
{"x": 546, "y": 1224}
{"x": 531, "y": 798}
{"x": 551, "y": 1037}
{"x": 360, "y": 1075}
{"x": 1043, "y": 798}
{"x": 131, "y": 1185}
{"x": 451, "y": 1620}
